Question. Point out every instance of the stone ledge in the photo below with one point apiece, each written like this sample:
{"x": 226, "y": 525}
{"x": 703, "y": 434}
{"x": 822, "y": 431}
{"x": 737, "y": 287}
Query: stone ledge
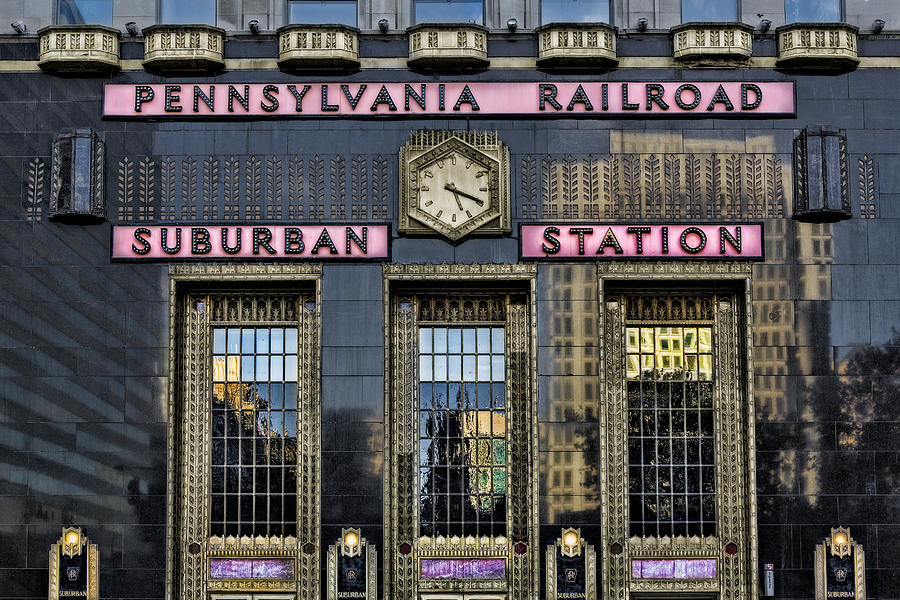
{"x": 435, "y": 46}
{"x": 184, "y": 48}
{"x": 79, "y": 48}
{"x": 574, "y": 45}
{"x": 712, "y": 43}
{"x": 318, "y": 47}
{"x": 817, "y": 45}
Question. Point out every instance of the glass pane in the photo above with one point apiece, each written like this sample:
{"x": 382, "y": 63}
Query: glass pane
{"x": 449, "y": 11}
{"x": 468, "y": 341}
{"x": 91, "y": 12}
{"x": 497, "y": 340}
{"x": 290, "y": 368}
{"x": 290, "y": 341}
{"x": 329, "y": 11}
{"x": 425, "y": 341}
{"x": 218, "y": 341}
{"x": 708, "y": 10}
{"x": 812, "y": 11}
{"x": 262, "y": 341}
{"x": 195, "y": 11}
{"x": 575, "y": 11}
{"x": 454, "y": 341}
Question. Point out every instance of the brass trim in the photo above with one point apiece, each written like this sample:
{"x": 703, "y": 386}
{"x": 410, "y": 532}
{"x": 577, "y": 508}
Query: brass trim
{"x": 590, "y": 563}
{"x": 831, "y": 546}
{"x": 734, "y": 426}
{"x": 187, "y": 573}
{"x": 400, "y": 363}
{"x": 84, "y": 544}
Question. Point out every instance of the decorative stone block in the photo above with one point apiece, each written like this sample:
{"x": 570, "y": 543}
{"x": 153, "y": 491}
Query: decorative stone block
{"x": 562, "y": 45}
{"x": 712, "y": 42}
{"x": 184, "y": 48}
{"x": 318, "y": 47}
{"x": 79, "y": 48}
{"x": 434, "y": 46}
{"x": 817, "y": 45}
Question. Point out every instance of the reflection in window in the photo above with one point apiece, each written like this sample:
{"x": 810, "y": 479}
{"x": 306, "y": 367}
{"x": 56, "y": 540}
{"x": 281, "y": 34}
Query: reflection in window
{"x": 671, "y": 441}
{"x": 575, "y": 11}
{"x": 462, "y": 431}
{"x": 708, "y": 10}
{"x": 449, "y": 11}
{"x": 322, "y": 11}
{"x": 191, "y": 12}
{"x": 254, "y": 431}
{"x": 812, "y": 11}
{"x": 77, "y": 12}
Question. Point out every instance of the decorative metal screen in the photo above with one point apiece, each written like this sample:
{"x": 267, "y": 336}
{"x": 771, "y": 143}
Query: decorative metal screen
{"x": 671, "y": 437}
{"x": 254, "y": 431}
{"x": 462, "y": 431}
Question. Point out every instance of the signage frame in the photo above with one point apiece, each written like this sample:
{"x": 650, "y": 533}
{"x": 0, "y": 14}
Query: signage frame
{"x": 642, "y": 258}
{"x": 262, "y": 258}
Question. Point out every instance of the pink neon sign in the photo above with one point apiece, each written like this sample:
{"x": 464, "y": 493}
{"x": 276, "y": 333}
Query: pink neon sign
{"x": 598, "y": 241}
{"x": 256, "y": 242}
{"x": 411, "y": 99}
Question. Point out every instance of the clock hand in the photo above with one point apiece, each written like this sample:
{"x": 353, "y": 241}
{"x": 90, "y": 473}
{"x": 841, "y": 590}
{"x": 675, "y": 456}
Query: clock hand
{"x": 452, "y": 188}
{"x": 456, "y": 190}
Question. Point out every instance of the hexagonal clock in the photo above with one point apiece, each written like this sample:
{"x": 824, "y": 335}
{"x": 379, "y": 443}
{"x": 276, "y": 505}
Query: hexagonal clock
{"x": 454, "y": 183}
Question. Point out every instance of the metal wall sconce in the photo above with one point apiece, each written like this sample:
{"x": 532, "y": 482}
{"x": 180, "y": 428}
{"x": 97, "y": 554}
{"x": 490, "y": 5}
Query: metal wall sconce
{"x": 19, "y": 26}
{"x": 512, "y": 24}
{"x": 74, "y": 566}
{"x": 77, "y": 185}
{"x": 571, "y": 567}
{"x": 877, "y": 25}
{"x": 642, "y": 24}
{"x": 254, "y": 26}
{"x": 821, "y": 193}
{"x": 840, "y": 567}
{"x": 352, "y": 567}
{"x": 383, "y": 25}
{"x": 764, "y": 25}
{"x": 132, "y": 28}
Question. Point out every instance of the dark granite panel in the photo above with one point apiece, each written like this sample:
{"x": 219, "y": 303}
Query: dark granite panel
{"x": 144, "y": 547}
{"x": 23, "y": 583}
{"x": 567, "y": 323}
{"x": 836, "y": 472}
{"x": 568, "y": 398}
{"x": 383, "y": 46}
{"x": 11, "y": 538}
{"x": 355, "y": 323}
{"x": 644, "y": 45}
{"x": 262, "y": 46}
{"x": 133, "y": 583}
{"x": 776, "y": 472}
{"x": 351, "y": 282}
{"x": 503, "y": 250}
{"x": 798, "y": 436}
{"x": 882, "y": 508}
{"x": 887, "y": 472}
{"x": 360, "y": 398}
{"x": 569, "y": 472}
{"x": 145, "y": 399}
{"x": 885, "y": 322}
{"x": 357, "y": 473}
{"x": 518, "y": 44}
{"x": 776, "y": 547}
{"x": 352, "y": 511}
{"x": 570, "y": 510}
{"x": 343, "y": 432}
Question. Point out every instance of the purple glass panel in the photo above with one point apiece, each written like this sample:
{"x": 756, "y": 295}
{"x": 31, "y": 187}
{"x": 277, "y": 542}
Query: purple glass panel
{"x": 242, "y": 568}
{"x": 702, "y": 568}
{"x": 463, "y": 568}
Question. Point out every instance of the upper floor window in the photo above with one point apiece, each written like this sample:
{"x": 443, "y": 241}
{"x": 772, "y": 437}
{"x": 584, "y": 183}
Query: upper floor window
{"x": 708, "y": 10}
{"x": 575, "y": 11}
{"x": 322, "y": 11}
{"x": 449, "y": 11}
{"x": 812, "y": 11}
{"x": 194, "y": 11}
{"x": 77, "y": 12}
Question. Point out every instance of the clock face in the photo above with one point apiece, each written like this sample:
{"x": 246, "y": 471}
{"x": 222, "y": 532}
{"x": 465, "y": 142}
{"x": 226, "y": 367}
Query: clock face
{"x": 454, "y": 188}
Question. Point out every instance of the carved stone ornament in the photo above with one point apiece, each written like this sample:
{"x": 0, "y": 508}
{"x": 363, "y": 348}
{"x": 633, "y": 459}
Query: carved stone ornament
{"x": 454, "y": 183}
{"x": 817, "y": 46}
{"x": 352, "y": 567}
{"x": 77, "y": 177}
{"x": 79, "y": 48}
{"x": 194, "y": 311}
{"x": 571, "y": 567}
{"x": 712, "y": 42}
{"x": 576, "y": 45}
{"x": 74, "y": 567}
{"x": 840, "y": 567}
{"x": 730, "y": 554}
{"x": 821, "y": 175}
{"x": 184, "y": 48}
{"x": 435, "y": 46}
{"x": 302, "y": 47}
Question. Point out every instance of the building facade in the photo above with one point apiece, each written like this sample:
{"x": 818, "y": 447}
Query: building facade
{"x": 465, "y": 300}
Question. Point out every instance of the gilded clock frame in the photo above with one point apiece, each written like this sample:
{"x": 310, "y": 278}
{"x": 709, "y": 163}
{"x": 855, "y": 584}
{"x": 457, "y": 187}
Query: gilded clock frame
{"x": 189, "y": 455}
{"x": 402, "y": 284}
{"x": 736, "y": 575}
{"x": 425, "y": 147}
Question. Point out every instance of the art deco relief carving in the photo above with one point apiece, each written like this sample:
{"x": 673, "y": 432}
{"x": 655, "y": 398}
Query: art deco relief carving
{"x": 728, "y": 556}
{"x": 407, "y": 305}
{"x": 252, "y": 187}
{"x": 653, "y": 186}
{"x": 190, "y": 545}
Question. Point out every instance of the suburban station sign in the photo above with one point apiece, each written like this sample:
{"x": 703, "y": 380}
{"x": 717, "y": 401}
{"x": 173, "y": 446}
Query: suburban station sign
{"x": 598, "y": 241}
{"x": 255, "y": 242}
{"x": 481, "y": 98}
